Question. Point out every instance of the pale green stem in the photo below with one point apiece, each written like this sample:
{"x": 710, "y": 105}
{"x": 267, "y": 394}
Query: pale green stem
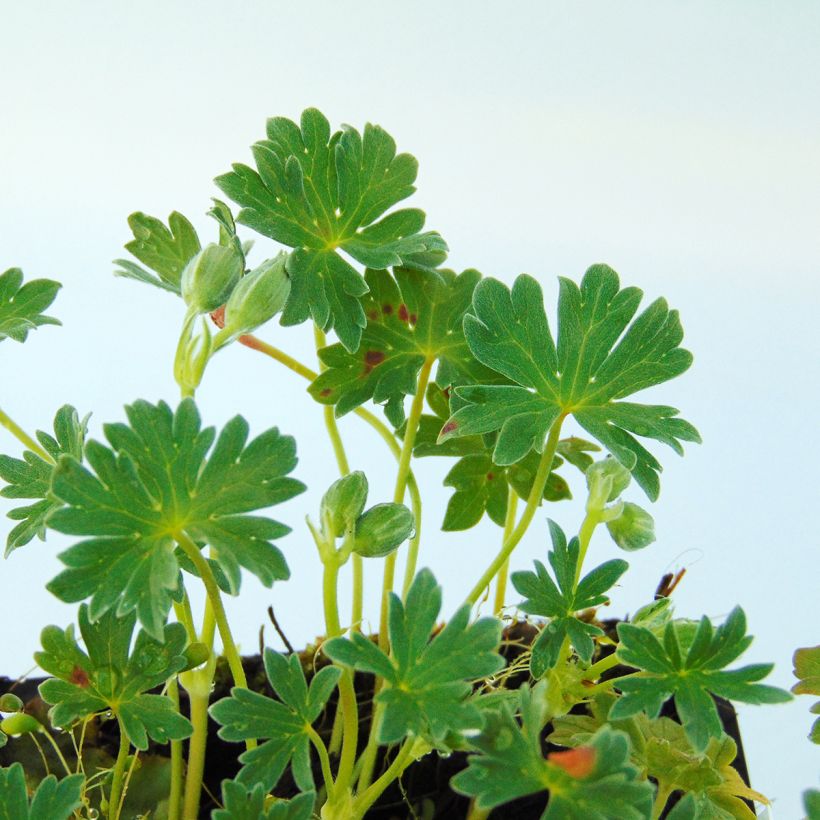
{"x": 476, "y": 813}
{"x": 324, "y": 760}
{"x": 57, "y": 751}
{"x": 23, "y": 437}
{"x": 509, "y": 523}
{"x": 536, "y": 494}
{"x": 119, "y": 770}
{"x": 661, "y": 799}
{"x": 175, "y": 794}
{"x": 591, "y": 520}
{"x": 372, "y": 793}
{"x": 196, "y": 752}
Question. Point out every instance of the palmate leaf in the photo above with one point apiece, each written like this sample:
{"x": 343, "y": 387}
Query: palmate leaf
{"x": 30, "y": 477}
{"x": 320, "y": 193}
{"x": 691, "y": 677}
{"x": 427, "y": 683}
{"x": 599, "y": 358}
{"x": 281, "y": 723}
{"x": 166, "y": 250}
{"x": 413, "y": 316}
{"x": 559, "y": 602}
{"x": 22, "y": 305}
{"x": 594, "y": 782}
{"x": 53, "y": 800}
{"x": 244, "y": 803}
{"x": 660, "y": 749}
{"x": 110, "y": 674}
{"x": 162, "y": 476}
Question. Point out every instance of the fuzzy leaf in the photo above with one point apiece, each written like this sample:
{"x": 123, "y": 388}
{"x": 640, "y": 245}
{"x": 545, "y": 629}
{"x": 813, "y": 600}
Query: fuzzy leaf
{"x": 320, "y": 193}
{"x": 597, "y": 782}
{"x": 244, "y": 803}
{"x": 281, "y": 723}
{"x": 30, "y": 477}
{"x": 166, "y": 250}
{"x": 560, "y": 601}
{"x": 22, "y": 305}
{"x": 413, "y": 316}
{"x": 807, "y": 671}
{"x": 160, "y": 476}
{"x": 427, "y": 682}
{"x": 109, "y": 674}
{"x": 599, "y": 358}
{"x": 691, "y": 677}
{"x": 53, "y": 800}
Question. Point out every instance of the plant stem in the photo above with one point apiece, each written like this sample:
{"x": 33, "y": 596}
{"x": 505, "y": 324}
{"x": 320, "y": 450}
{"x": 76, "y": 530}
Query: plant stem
{"x": 324, "y": 760}
{"x": 175, "y": 794}
{"x": 401, "y": 486}
{"x": 119, "y": 770}
{"x": 57, "y": 751}
{"x": 372, "y": 793}
{"x": 196, "y": 751}
{"x": 214, "y": 596}
{"x": 23, "y": 437}
{"x": 591, "y": 520}
{"x": 536, "y": 494}
{"x": 661, "y": 799}
{"x": 599, "y": 667}
{"x": 509, "y": 523}
{"x": 279, "y": 355}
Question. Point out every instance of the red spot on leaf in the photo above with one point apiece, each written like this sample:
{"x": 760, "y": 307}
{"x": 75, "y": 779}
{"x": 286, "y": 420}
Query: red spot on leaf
{"x": 79, "y": 677}
{"x": 373, "y": 357}
{"x": 387, "y": 309}
{"x": 446, "y": 392}
{"x": 575, "y": 762}
{"x": 403, "y": 314}
{"x": 325, "y": 393}
{"x": 218, "y": 317}
{"x": 490, "y": 476}
{"x": 413, "y": 318}
{"x": 373, "y": 315}
{"x": 448, "y": 428}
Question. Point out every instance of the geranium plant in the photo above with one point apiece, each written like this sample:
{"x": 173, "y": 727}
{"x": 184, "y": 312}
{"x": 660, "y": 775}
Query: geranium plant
{"x": 529, "y": 693}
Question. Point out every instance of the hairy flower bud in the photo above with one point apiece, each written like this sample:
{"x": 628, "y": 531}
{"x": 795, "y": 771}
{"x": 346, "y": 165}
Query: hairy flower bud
{"x": 210, "y": 277}
{"x": 633, "y": 529}
{"x": 606, "y": 480}
{"x": 343, "y": 503}
{"x": 381, "y": 529}
{"x": 258, "y": 296}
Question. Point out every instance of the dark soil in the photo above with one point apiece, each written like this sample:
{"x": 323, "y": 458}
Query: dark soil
{"x": 422, "y": 792}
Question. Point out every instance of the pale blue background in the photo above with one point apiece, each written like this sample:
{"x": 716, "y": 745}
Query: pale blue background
{"x": 677, "y": 142}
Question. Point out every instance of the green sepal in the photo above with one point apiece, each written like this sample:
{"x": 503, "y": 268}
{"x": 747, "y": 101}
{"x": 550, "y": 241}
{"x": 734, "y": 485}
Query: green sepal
{"x": 427, "y": 683}
{"x": 30, "y": 477}
{"x": 53, "y": 799}
{"x": 242, "y": 802}
{"x": 692, "y": 675}
{"x": 165, "y": 250}
{"x": 163, "y": 474}
{"x": 22, "y": 305}
{"x": 280, "y": 723}
{"x": 562, "y": 600}
{"x": 111, "y": 674}
{"x": 598, "y": 359}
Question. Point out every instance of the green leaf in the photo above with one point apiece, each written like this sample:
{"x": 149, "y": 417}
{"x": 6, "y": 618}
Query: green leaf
{"x": 661, "y": 750}
{"x": 598, "y": 359}
{"x": 161, "y": 476}
{"x": 594, "y": 782}
{"x": 281, "y": 723}
{"x": 243, "y": 803}
{"x": 811, "y": 803}
{"x": 560, "y": 601}
{"x": 166, "y": 250}
{"x": 30, "y": 477}
{"x": 53, "y": 800}
{"x": 22, "y": 306}
{"x": 690, "y": 677}
{"x": 320, "y": 193}
{"x": 807, "y": 671}
{"x": 109, "y": 674}
{"x": 412, "y": 317}
{"x": 427, "y": 684}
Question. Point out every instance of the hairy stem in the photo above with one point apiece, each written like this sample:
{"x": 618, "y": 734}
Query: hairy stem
{"x": 175, "y": 794}
{"x": 119, "y": 770}
{"x": 324, "y": 760}
{"x": 509, "y": 523}
{"x": 536, "y": 494}
{"x": 23, "y": 437}
{"x": 196, "y": 751}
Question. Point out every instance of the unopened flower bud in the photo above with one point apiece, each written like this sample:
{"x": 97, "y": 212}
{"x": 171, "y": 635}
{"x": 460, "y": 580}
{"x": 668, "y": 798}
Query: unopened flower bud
{"x": 606, "y": 480}
{"x": 20, "y": 724}
{"x": 210, "y": 277}
{"x": 343, "y": 503}
{"x": 258, "y": 296}
{"x": 381, "y": 529}
{"x": 10, "y": 703}
{"x": 633, "y": 529}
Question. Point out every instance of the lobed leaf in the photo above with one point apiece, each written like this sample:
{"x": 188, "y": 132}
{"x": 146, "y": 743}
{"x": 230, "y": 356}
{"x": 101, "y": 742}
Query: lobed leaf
{"x": 53, "y": 799}
{"x": 241, "y": 802}
{"x": 22, "y": 305}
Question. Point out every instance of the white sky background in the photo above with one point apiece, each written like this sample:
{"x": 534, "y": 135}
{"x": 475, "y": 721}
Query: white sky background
{"x": 677, "y": 142}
